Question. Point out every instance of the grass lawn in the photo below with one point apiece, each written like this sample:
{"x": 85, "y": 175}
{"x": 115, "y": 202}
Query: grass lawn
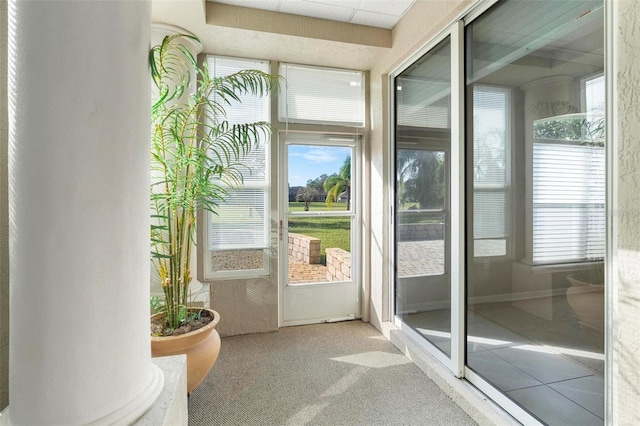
{"x": 318, "y": 206}
{"x": 332, "y": 231}
{"x": 409, "y": 213}
{"x": 418, "y": 218}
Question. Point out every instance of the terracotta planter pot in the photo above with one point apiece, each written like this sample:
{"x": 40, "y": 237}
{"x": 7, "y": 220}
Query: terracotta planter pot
{"x": 587, "y": 301}
{"x": 201, "y": 346}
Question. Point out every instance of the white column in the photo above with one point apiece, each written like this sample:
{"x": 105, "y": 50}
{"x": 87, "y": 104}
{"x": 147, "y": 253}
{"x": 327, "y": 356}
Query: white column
{"x": 79, "y": 212}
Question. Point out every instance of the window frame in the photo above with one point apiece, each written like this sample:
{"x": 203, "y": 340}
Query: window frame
{"x": 208, "y": 272}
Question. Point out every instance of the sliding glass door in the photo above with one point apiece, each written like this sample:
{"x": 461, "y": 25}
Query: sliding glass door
{"x": 423, "y": 141}
{"x": 520, "y": 277}
{"x": 535, "y": 206}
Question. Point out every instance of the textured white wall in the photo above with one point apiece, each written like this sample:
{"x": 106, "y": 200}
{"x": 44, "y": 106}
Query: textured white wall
{"x": 79, "y": 209}
{"x": 246, "y": 306}
{"x": 627, "y": 212}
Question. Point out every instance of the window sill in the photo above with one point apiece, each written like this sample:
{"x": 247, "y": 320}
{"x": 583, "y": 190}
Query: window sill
{"x": 560, "y": 267}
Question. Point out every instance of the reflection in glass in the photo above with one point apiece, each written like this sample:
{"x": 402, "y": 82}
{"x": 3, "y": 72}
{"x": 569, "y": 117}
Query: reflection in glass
{"x": 421, "y": 203}
{"x": 491, "y": 171}
{"x": 536, "y": 206}
{"x": 423, "y": 140}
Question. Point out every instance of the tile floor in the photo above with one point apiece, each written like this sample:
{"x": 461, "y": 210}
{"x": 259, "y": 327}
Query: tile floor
{"x": 559, "y": 384}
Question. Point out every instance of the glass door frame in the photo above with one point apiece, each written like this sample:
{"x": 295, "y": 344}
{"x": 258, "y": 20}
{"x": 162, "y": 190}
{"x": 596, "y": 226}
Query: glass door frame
{"x": 455, "y": 254}
{"x": 457, "y": 363}
{"x": 457, "y": 248}
{"x": 354, "y": 142}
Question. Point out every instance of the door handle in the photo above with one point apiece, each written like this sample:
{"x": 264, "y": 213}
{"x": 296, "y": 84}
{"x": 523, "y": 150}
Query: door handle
{"x": 280, "y": 230}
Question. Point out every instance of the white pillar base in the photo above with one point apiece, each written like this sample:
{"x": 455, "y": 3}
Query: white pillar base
{"x": 172, "y": 406}
{"x": 138, "y": 406}
{"x": 127, "y": 414}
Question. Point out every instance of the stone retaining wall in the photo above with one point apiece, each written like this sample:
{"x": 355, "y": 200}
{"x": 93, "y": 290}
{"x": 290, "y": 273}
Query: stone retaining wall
{"x": 304, "y": 249}
{"x": 338, "y": 264}
{"x": 420, "y": 231}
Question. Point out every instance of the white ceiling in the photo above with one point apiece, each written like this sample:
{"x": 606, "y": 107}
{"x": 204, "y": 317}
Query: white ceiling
{"x": 374, "y": 13}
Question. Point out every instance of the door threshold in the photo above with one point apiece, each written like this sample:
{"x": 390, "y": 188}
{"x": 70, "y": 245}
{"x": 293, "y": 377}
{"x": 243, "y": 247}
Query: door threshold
{"x": 349, "y": 317}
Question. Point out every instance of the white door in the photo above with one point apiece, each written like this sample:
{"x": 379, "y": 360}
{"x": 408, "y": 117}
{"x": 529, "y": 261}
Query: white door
{"x": 319, "y": 229}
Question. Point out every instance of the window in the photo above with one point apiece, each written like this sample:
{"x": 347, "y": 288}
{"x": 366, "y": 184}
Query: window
{"x": 315, "y": 95}
{"x": 238, "y": 236}
{"x": 491, "y": 171}
{"x": 569, "y": 182}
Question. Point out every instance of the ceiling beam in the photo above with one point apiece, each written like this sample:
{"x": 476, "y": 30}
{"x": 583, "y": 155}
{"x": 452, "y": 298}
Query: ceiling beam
{"x": 225, "y": 15}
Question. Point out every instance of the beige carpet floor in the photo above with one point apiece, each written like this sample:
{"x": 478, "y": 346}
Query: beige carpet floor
{"x": 326, "y": 374}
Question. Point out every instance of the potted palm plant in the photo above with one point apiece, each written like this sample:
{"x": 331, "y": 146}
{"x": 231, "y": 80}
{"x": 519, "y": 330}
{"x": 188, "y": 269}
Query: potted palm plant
{"x": 195, "y": 154}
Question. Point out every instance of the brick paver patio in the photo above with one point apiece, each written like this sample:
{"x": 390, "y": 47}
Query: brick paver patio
{"x": 415, "y": 258}
{"x": 300, "y": 273}
{"x": 420, "y": 258}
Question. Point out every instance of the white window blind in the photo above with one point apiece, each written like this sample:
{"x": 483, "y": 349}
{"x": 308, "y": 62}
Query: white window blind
{"x": 423, "y": 103}
{"x": 321, "y": 96}
{"x": 491, "y": 170}
{"x": 569, "y": 182}
{"x": 568, "y": 202}
{"x": 242, "y": 221}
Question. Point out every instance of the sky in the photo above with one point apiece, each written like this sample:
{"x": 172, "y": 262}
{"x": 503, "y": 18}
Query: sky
{"x": 310, "y": 161}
